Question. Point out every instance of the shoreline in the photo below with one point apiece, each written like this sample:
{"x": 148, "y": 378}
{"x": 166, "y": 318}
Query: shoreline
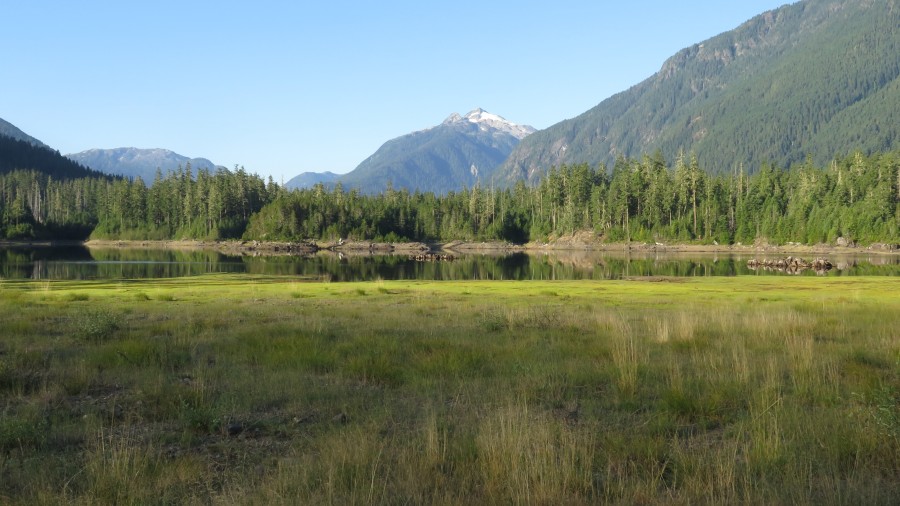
{"x": 456, "y": 247}
{"x": 728, "y": 248}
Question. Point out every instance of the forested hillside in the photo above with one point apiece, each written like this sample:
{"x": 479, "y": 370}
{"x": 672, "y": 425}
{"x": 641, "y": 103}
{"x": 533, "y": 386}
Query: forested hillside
{"x": 17, "y": 154}
{"x": 9, "y": 130}
{"x": 817, "y": 77}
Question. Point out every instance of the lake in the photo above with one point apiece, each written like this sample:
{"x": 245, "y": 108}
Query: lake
{"x": 76, "y": 262}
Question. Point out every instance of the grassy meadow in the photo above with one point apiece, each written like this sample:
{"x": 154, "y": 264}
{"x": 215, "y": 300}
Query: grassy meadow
{"x": 261, "y": 390}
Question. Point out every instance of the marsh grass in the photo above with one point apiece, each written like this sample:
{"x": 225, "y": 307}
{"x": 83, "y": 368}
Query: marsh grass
{"x": 529, "y": 458}
{"x": 76, "y": 297}
{"x": 263, "y": 391}
{"x": 627, "y": 356}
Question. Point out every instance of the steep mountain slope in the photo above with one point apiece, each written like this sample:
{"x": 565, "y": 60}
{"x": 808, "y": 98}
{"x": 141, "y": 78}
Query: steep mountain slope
{"x": 10, "y": 130}
{"x": 816, "y": 77}
{"x": 453, "y": 155}
{"x": 16, "y": 154}
{"x": 20, "y": 151}
{"x": 310, "y": 179}
{"x": 134, "y": 162}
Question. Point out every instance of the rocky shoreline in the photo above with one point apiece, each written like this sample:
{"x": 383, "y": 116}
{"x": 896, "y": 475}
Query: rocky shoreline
{"x": 791, "y": 265}
{"x": 589, "y": 241}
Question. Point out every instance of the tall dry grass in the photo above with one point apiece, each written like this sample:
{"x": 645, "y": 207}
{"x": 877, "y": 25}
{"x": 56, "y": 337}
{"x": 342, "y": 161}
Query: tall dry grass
{"x": 528, "y": 458}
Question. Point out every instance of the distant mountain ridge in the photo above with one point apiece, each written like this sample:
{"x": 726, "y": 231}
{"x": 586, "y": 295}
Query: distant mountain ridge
{"x": 135, "y": 162}
{"x": 458, "y": 153}
{"x": 310, "y": 179}
{"x": 815, "y": 77}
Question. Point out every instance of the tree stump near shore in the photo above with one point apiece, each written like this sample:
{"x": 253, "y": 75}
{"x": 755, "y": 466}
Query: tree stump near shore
{"x": 432, "y": 257}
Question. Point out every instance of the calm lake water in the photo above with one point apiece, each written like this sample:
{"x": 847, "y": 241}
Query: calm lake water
{"x": 84, "y": 263}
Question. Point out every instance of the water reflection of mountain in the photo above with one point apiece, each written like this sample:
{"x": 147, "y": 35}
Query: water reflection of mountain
{"x": 123, "y": 263}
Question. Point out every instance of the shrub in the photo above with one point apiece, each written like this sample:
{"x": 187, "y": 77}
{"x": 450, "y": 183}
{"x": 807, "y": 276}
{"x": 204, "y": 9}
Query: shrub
{"x": 96, "y": 325}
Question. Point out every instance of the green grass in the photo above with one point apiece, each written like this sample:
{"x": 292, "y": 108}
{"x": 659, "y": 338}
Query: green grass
{"x": 243, "y": 389}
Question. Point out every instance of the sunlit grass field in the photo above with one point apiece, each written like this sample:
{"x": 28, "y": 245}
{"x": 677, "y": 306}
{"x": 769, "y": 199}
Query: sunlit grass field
{"x": 256, "y": 390}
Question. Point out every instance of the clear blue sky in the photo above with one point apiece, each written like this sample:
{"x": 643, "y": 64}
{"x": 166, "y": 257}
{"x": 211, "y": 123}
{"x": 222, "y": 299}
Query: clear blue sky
{"x": 287, "y": 87}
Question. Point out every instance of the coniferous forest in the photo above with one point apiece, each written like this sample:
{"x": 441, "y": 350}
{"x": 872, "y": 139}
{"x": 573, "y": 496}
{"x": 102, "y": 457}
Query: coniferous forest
{"x": 856, "y": 197}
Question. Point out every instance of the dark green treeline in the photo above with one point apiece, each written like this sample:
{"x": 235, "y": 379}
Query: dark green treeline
{"x": 205, "y": 205}
{"x": 855, "y": 197}
{"x": 647, "y": 199}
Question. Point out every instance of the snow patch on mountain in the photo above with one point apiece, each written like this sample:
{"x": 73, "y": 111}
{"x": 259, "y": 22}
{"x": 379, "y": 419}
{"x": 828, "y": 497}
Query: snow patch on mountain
{"x": 487, "y": 121}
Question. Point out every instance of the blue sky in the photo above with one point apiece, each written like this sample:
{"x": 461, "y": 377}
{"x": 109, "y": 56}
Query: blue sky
{"x": 287, "y": 87}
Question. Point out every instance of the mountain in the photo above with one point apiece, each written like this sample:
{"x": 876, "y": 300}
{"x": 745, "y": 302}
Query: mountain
{"x": 816, "y": 77}
{"x": 10, "y": 130}
{"x": 20, "y": 151}
{"x": 310, "y": 179}
{"x": 451, "y": 156}
{"x": 134, "y": 162}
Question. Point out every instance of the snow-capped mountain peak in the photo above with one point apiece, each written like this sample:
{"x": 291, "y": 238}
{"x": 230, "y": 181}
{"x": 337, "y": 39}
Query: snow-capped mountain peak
{"x": 481, "y": 116}
{"x": 486, "y": 121}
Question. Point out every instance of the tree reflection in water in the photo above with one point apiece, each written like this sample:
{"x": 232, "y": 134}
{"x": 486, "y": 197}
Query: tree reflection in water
{"x": 124, "y": 263}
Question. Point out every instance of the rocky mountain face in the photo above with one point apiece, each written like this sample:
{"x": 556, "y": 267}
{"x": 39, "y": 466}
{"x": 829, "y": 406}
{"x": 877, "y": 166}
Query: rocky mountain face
{"x": 456, "y": 154}
{"x": 134, "y": 162}
{"x": 818, "y": 77}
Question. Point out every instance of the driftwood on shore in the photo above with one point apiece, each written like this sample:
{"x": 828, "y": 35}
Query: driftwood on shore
{"x": 432, "y": 257}
{"x": 285, "y": 248}
{"x": 791, "y": 265}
